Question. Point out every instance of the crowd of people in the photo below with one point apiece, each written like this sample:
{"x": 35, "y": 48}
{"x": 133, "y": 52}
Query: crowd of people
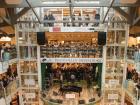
{"x": 7, "y": 52}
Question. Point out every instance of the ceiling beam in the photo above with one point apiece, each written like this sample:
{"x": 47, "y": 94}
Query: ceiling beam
{"x": 132, "y": 10}
{"x": 22, "y": 12}
{"x": 123, "y": 13}
{"x": 34, "y": 11}
{"x": 136, "y": 20}
{"x": 108, "y": 10}
{"x": 7, "y": 21}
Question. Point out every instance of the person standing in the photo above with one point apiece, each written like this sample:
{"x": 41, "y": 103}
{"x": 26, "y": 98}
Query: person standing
{"x": 87, "y": 19}
{"x": 51, "y": 18}
{"x": 79, "y": 19}
{"x": 45, "y": 19}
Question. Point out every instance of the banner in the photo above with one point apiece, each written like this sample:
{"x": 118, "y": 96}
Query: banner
{"x": 71, "y": 60}
{"x": 71, "y": 29}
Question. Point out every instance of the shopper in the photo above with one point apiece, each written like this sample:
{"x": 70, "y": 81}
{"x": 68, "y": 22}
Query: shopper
{"x": 87, "y": 20}
{"x": 51, "y": 18}
{"x": 45, "y": 19}
{"x": 79, "y": 19}
{"x": 97, "y": 19}
{"x": 73, "y": 20}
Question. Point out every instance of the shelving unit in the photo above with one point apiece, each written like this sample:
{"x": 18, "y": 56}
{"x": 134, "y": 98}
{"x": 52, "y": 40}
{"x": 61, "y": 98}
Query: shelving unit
{"x": 28, "y": 65}
{"x": 115, "y": 64}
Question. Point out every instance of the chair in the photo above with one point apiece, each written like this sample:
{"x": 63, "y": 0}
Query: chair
{"x": 81, "y": 102}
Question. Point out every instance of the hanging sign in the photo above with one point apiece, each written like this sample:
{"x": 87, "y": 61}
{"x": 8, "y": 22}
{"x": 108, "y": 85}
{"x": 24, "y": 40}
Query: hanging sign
{"x": 71, "y": 29}
{"x": 71, "y": 60}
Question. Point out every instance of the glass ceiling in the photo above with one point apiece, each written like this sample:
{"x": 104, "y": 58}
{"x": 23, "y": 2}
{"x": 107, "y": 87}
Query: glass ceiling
{"x": 65, "y": 1}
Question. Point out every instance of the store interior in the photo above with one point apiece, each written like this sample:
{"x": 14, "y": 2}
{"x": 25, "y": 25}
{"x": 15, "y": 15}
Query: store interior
{"x": 70, "y": 52}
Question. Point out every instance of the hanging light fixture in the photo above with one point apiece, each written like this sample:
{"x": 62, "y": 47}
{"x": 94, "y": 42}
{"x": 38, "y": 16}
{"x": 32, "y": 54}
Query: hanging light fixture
{"x": 5, "y": 38}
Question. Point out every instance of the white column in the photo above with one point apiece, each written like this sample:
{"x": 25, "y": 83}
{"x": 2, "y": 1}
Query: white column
{"x": 39, "y": 68}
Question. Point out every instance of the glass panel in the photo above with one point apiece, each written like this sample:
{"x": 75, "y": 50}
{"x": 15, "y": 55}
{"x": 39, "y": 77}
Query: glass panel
{"x": 110, "y": 52}
{"x": 24, "y": 53}
{"x": 32, "y": 38}
{"x": 110, "y": 37}
{"x": 33, "y": 66}
{"x": 24, "y": 66}
{"x": 33, "y": 52}
{"x": 23, "y": 37}
{"x": 120, "y": 37}
{"x": 119, "y": 52}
